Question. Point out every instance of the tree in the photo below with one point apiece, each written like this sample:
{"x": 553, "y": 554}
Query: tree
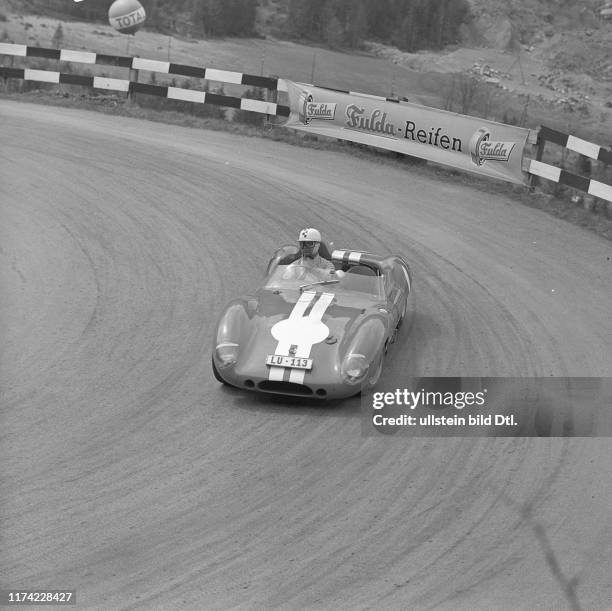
{"x": 212, "y": 15}
{"x": 458, "y": 14}
{"x": 58, "y": 37}
{"x": 297, "y": 17}
{"x": 411, "y": 32}
{"x": 224, "y": 17}
{"x": 211, "y": 110}
{"x": 411, "y": 24}
{"x": 357, "y": 26}
{"x": 239, "y": 16}
{"x": 247, "y": 116}
{"x": 153, "y": 14}
{"x": 383, "y": 17}
{"x": 334, "y": 33}
{"x": 305, "y": 18}
{"x": 468, "y": 87}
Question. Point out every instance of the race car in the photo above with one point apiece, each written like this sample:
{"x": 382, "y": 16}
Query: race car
{"x": 320, "y": 333}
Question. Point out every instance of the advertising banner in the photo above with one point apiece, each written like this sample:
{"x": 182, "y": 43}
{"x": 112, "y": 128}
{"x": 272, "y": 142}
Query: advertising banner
{"x": 466, "y": 143}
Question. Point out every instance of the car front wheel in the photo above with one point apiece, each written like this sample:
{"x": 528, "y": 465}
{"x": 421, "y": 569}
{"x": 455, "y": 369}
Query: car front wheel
{"x": 218, "y": 375}
{"x": 378, "y": 372}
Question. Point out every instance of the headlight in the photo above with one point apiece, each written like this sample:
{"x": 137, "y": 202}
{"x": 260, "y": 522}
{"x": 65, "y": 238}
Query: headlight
{"x": 227, "y": 353}
{"x": 354, "y": 368}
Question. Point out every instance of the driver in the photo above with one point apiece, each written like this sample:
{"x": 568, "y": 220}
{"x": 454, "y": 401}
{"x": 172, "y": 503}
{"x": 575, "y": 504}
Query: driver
{"x": 309, "y": 242}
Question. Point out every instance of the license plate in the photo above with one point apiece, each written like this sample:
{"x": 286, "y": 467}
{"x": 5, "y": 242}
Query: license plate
{"x": 295, "y": 362}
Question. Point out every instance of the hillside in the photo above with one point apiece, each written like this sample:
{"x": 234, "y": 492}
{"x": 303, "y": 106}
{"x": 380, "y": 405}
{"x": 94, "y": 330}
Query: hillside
{"x": 552, "y": 57}
{"x": 531, "y": 61}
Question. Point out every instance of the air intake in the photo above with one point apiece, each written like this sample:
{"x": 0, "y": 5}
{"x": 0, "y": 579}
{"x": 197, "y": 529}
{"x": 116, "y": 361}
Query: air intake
{"x": 285, "y": 388}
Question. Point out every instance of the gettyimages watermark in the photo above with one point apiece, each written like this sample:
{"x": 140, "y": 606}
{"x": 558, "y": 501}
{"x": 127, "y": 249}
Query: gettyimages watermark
{"x": 491, "y": 407}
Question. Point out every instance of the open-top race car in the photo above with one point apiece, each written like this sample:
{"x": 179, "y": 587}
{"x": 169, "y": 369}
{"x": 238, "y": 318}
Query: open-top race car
{"x": 313, "y": 332}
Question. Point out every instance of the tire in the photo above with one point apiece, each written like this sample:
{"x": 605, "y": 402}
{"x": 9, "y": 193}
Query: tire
{"x": 217, "y": 374}
{"x": 401, "y": 318}
{"x": 373, "y": 381}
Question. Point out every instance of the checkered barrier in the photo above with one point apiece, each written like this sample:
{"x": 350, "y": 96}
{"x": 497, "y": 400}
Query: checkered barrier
{"x": 172, "y": 93}
{"x": 594, "y": 151}
{"x": 137, "y": 63}
{"x": 553, "y": 173}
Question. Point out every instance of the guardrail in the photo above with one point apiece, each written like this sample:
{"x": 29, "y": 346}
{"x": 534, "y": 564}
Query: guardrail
{"x": 556, "y": 174}
{"x": 138, "y": 63}
{"x": 533, "y": 167}
{"x": 131, "y": 86}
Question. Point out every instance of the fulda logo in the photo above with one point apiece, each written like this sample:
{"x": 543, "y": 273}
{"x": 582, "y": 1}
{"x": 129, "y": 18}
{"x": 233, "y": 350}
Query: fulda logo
{"x": 482, "y": 148}
{"x": 309, "y": 109}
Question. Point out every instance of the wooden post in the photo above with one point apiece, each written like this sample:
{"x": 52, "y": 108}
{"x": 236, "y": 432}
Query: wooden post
{"x": 533, "y": 179}
{"x": 133, "y": 79}
{"x": 312, "y": 73}
{"x": 271, "y": 96}
{"x": 5, "y": 80}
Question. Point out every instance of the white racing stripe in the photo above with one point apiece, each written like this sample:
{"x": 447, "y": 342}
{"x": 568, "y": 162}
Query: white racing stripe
{"x": 353, "y": 256}
{"x": 301, "y": 331}
{"x": 283, "y": 346}
{"x": 304, "y": 348}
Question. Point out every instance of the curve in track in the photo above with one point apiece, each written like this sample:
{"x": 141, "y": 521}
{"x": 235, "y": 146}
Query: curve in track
{"x": 131, "y": 475}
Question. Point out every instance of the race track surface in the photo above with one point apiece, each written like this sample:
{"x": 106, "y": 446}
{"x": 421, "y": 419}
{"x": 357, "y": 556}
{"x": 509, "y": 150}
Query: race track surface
{"x": 130, "y": 474}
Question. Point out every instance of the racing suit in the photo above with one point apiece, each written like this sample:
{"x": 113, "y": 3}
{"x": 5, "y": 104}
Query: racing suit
{"x": 310, "y": 269}
{"x": 317, "y": 262}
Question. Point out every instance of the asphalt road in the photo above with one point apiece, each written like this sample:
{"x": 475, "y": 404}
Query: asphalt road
{"x": 130, "y": 474}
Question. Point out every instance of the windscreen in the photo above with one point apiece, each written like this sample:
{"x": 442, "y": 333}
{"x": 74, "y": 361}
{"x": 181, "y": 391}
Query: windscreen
{"x": 294, "y": 276}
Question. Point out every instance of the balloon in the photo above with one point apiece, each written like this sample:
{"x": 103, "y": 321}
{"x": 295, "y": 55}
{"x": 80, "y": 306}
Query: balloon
{"x": 126, "y": 16}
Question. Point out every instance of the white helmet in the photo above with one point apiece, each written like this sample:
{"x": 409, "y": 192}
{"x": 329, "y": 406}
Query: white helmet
{"x": 309, "y": 235}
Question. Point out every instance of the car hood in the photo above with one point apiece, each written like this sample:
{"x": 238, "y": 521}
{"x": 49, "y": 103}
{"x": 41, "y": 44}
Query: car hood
{"x": 318, "y": 324}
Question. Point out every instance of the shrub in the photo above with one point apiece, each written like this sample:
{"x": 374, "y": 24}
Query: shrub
{"x": 246, "y": 116}
{"x": 58, "y": 37}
